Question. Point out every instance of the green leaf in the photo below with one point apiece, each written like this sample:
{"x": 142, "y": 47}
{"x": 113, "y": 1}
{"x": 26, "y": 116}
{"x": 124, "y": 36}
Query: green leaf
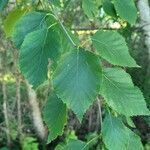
{"x": 126, "y": 10}
{"x": 55, "y": 116}
{"x": 3, "y": 4}
{"x": 29, "y": 143}
{"x": 117, "y": 136}
{"x": 77, "y": 80}
{"x": 4, "y": 148}
{"x": 121, "y": 95}
{"x": 90, "y": 8}
{"x": 28, "y": 23}
{"x": 99, "y": 2}
{"x": 109, "y": 8}
{"x": 130, "y": 122}
{"x": 66, "y": 45}
{"x": 55, "y": 2}
{"x": 35, "y": 51}
{"x": 72, "y": 145}
{"x": 12, "y": 19}
{"x": 112, "y": 47}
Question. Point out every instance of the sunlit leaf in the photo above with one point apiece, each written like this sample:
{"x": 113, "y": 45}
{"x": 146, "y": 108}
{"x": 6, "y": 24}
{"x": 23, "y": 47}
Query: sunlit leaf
{"x": 112, "y": 47}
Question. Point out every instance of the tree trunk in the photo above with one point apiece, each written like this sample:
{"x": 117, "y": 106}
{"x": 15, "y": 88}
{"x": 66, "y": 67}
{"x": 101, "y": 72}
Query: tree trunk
{"x": 19, "y": 116}
{"x": 18, "y": 94}
{"x": 5, "y": 99}
{"x": 144, "y": 9}
{"x": 5, "y": 111}
{"x": 36, "y": 114}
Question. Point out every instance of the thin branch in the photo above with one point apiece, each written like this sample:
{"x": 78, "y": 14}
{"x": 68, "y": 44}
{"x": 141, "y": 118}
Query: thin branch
{"x": 63, "y": 27}
{"x": 93, "y": 29}
{"x": 19, "y": 116}
{"x": 18, "y": 94}
{"x": 5, "y": 99}
{"x": 89, "y": 142}
{"x": 100, "y": 111}
{"x": 36, "y": 113}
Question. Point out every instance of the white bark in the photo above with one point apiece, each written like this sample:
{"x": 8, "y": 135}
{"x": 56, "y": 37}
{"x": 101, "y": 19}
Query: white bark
{"x": 144, "y": 9}
{"x": 3, "y": 67}
{"x": 6, "y": 116}
{"x": 18, "y": 98}
{"x": 18, "y": 94}
{"x": 36, "y": 114}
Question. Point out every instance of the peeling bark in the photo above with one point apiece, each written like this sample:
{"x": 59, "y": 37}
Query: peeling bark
{"x": 36, "y": 114}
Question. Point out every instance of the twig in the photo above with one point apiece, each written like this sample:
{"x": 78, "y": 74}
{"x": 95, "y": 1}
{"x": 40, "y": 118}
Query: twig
{"x": 89, "y": 142}
{"x": 5, "y": 105}
{"x": 18, "y": 95}
{"x": 63, "y": 27}
{"x": 100, "y": 111}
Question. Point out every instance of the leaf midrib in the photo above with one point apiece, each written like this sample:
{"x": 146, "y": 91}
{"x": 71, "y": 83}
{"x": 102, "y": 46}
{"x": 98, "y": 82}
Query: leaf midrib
{"x": 105, "y": 45}
{"x": 111, "y": 81}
